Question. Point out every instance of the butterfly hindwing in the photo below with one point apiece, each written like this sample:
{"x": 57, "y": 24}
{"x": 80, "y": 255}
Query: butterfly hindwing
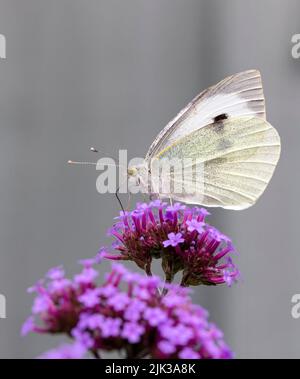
{"x": 239, "y": 155}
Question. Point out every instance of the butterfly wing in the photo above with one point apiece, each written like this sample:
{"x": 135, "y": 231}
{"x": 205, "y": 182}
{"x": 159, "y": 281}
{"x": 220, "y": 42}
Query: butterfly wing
{"x": 238, "y": 156}
{"x": 237, "y": 95}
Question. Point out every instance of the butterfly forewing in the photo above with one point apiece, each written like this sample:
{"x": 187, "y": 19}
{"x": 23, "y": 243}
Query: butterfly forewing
{"x": 237, "y": 95}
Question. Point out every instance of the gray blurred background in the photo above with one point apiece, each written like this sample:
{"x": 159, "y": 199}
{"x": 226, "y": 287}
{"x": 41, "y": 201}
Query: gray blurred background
{"x": 112, "y": 73}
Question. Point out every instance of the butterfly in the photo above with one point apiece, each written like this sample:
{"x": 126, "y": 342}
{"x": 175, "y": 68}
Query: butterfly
{"x": 225, "y": 129}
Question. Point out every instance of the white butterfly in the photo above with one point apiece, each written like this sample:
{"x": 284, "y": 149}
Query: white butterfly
{"x": 225, "y": 128}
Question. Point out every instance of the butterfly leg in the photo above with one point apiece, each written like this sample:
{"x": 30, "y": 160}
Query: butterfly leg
{"x": 117, "y": 194}
{"x": 118, "y": 198}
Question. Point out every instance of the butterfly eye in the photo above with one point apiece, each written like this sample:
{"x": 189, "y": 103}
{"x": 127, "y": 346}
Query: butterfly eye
{"x": 131, "y": 171}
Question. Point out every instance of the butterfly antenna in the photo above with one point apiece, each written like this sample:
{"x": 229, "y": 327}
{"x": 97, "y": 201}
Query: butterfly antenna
{"x": 82, "y": 163}
{"x": 94, "y": 150}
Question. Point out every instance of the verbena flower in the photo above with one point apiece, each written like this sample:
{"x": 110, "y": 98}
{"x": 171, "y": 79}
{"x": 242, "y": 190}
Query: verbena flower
{"x": 67, "y": 351}
{"x": 126, "y": 313}
{"x": 181, "y": 237}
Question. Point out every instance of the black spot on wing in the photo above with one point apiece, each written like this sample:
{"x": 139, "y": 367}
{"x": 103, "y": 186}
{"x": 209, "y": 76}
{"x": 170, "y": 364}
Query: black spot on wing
{"x": 218, "y": 122}
{"x": 220, "y": 117}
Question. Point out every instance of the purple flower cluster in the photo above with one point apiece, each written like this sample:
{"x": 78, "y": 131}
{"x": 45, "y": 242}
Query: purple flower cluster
{"x": 181, "y": 237}
{"x": 67, "y": 351}
{"x": 127, "y": 313}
